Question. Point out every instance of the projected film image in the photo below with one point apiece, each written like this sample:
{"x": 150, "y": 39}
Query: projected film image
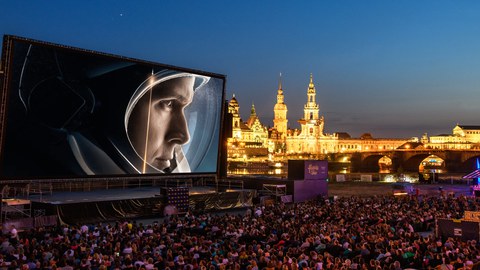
{"x": 73, "y": 113}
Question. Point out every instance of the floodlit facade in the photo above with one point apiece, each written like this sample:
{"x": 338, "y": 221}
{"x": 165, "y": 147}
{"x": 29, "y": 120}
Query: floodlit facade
{"x": 310, "y": 139}
{"x": 463, "y": 137}
{"x": 469, "y": 133}
{"x": 250, "y": 138}
{"x": 252, "y": 141}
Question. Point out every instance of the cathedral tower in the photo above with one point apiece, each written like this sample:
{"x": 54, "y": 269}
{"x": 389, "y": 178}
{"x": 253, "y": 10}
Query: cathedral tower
{"x": 312, "y": 125}
{"x": 234, "y": 109}
{"x": 311, "y": 108}
{"x": 280, "y": 111}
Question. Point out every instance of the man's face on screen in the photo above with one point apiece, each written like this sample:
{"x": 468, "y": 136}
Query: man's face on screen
{"x": 158, "y": 124}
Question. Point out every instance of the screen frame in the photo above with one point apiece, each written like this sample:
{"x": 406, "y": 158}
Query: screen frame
{"x": 6, "y": 75}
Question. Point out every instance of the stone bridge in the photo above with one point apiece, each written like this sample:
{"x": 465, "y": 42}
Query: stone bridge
{"x": 409, "y": 160}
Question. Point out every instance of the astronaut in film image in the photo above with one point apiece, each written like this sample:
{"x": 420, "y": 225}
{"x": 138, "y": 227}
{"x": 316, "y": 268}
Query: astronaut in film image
{"x": 72, "y": 113}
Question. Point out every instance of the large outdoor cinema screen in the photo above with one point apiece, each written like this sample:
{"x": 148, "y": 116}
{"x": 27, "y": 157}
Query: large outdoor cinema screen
{"x": 70, "y": 113}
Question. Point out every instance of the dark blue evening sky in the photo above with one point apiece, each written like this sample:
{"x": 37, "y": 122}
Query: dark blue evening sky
{"x": 391, "y": 68}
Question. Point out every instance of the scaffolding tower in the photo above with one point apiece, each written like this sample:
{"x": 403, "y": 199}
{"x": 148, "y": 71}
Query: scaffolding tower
{"x": 14, "y": 208}
{"x": 275, "y": 191}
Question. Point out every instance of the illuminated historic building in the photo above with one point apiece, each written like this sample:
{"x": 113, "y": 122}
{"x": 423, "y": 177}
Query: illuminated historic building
{"x": 257, "y": 135}
{"x": 233, "y": 109}
{"x": 310, "y": 139}
{"x": 253, "y": 144}
{"x": 278, "y": 134}
{"x": 366, "y": 143}
{"x": 469, "y": 133}
{"x": 249, "y": 139}
{"x": 252, "y": 139}
{"x": 463, "y": 137}
{"x": 280, "y": 112}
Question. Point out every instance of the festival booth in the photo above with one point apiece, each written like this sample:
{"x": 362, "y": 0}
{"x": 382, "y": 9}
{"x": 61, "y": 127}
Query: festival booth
{"x": 309, "y": 179}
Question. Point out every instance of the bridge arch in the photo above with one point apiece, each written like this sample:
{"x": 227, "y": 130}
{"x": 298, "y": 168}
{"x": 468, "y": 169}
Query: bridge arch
{"x": 425, "y": 162}
{"x": 408, "y": 161}
{"x": 385, "y": 164}
{"x": 372, "y": 163}
{"x": 432, "y": 164}
{"x": 342, "y": 158}
{"x": 413, "y": 162}
{"x": 469, "y": 164}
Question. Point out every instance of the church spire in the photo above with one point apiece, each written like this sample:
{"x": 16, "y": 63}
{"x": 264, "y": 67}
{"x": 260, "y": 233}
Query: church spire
{"x": 280, "y": 97}
{"x": 252, "y": 110}
{"x": 311, "y": 86}
{"x": 311, "y": 107}
{"x": 280, "y": 83}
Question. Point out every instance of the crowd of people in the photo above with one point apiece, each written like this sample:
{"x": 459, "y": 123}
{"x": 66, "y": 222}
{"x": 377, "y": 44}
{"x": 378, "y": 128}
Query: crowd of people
{"x": 381, "y": 232}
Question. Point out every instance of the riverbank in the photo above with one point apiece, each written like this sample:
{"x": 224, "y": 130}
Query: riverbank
{"x": 381, "y": 188}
